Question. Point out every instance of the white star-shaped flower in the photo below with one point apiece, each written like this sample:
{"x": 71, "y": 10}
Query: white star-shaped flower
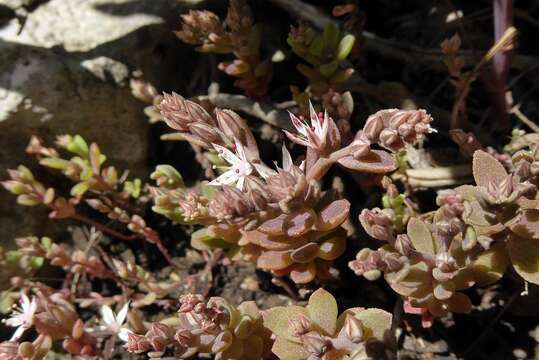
{"x": 287, "y": 165}
{"x": 113, "y": 324}
{"x": 314, "y": 134}
{"x": 240, "y": 168}
{"x": 23, "y": 316}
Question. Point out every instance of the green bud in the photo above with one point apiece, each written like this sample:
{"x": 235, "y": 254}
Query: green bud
{"x": 78, "y": 146}
{"x": 54, "y": 163}
{"x": 28, "y": 200}
{"x": 25, "y": 173}
{"x": 14, "y": 187}
{"x": 79, "y": 189}
{"x": 345, "y": 47}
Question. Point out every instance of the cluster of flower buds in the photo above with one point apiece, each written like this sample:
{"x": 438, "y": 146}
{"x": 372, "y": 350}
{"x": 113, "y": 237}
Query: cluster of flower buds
{"x": 237, "y": 35}
{"x": 213, "y": 327}
{"x": 59, "y": 255}
{"x": 393, "y": 128}
{"x": 317, "y": 332}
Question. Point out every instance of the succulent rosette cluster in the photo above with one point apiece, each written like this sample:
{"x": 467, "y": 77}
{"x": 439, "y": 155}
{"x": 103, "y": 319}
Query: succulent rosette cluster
{"x": 472, "y": 237}
{"x": 278, "y": 217}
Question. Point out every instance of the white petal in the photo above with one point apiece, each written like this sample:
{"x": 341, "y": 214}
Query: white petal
{"x": 226, "y": 154}
{"x": 325, "y": 125}
{"x": 298, "y": 124}
{"x": 264, "y": 171}
{"x": 14, "y": 321}
{"x": 124, "y": 334}
{"x": 313, "y": 114}
{"x": 227, "y": 178}
{"x": 287, "y": 159}
{"x": 297, "y": 139}
{"x": 120, "y": 318}
{"x": 18, "y": 333}
{"x": 240, "y": 183}
{"x": 240, "y": 151}
{"x": 302, "y": 166}
{"x": 25, "y": 303}
{"x": 107, "y": 315}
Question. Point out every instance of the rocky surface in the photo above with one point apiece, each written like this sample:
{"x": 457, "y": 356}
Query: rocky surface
{"x": 65, "y": 68}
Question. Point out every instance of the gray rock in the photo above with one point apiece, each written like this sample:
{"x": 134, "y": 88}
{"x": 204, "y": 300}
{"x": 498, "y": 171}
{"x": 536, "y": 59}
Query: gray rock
{"x": 67, "y": 72}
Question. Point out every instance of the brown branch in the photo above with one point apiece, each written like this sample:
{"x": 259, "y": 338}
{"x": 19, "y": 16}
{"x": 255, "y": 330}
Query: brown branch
{"x": 266, "y": 112}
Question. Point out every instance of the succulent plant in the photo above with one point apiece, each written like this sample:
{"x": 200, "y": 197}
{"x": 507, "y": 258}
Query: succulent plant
{"x": 237, "y": 35}
{"x": 213, "y": 327}
{"x": 325, "y": 52}
{"x": 317, "y": 331}
{"x": 470, "y": 240}
{"x": 281, "y": 219}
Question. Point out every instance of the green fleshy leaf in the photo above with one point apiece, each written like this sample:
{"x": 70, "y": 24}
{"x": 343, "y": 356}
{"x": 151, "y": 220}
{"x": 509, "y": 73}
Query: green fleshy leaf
{"x": 288, "y": 350}
{"x": 421, "y": 237}
{"x": 331, "y": 36}
{"x": 345, "y": 47}
{"x": 524, "y": 254}
{"x": 323, "y": 311}
{"x": 375, "y": 322}
{"x": 278, "y": 319}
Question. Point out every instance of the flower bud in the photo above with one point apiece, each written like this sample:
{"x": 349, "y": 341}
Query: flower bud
{"x": 352, "y": 328}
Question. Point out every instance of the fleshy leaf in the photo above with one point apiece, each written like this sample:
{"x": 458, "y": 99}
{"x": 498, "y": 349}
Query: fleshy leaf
{"x": 277, "y": 319}
{"x": 288, "y": 350}
{"x": 306, "y": 253}
{"x": 490, "y": 265}
{"x": 274, "y": 260}
{"x": 303, "y": 273}
{"x": 332, "y": 215}
{"x": 524, "y": 254}
{"x": 332, "y": 248}
{"x": 421, "y": 237}
{"x": 528, "y": 225}
{"x": 486, "y": 169}
{"x": 376, "y": 162}
{"x": 323, "y": 311}
{"x": 273, "y": 242}
{"x": 273, "y": 226}
{"x": 298, "y": 223}
{"x": 375, "y": 322}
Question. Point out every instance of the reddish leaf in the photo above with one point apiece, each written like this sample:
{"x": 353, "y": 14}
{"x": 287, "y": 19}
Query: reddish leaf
{"x": 274, "y": 260}
{"x": 298, "y": 223}
{"x": 376, "y": 161}
{"x": 303, "y": 273}
{"x": 273, "y": 226}
{"x": 306, "y": 253}
{"x": 486, "y": 168}
{"x": 333, "y": 215}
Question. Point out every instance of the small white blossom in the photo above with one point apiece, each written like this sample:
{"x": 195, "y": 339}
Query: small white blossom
{"x": 314, "y": 134}
{"x": 240, "y": 168}
{"x": 22, "y": 317}
{"x": 287, "y": 165}
{"x": 113, "y": 324}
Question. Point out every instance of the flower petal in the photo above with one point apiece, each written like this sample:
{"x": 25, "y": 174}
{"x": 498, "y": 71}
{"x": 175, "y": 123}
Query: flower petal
{"x": 287, "y": 159}
{"x": 297, "y": 139}
{"x": 124, "y": 334}
{"x": 107, "y": 315}
{"x": 120, "y": 318}
{"x": 226, "y": 154}
{"x": 226, "y": 178}
{"x": 18, "y": 333}
{"x": 240, "y": 183}
{"x": 264, "y": 171}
